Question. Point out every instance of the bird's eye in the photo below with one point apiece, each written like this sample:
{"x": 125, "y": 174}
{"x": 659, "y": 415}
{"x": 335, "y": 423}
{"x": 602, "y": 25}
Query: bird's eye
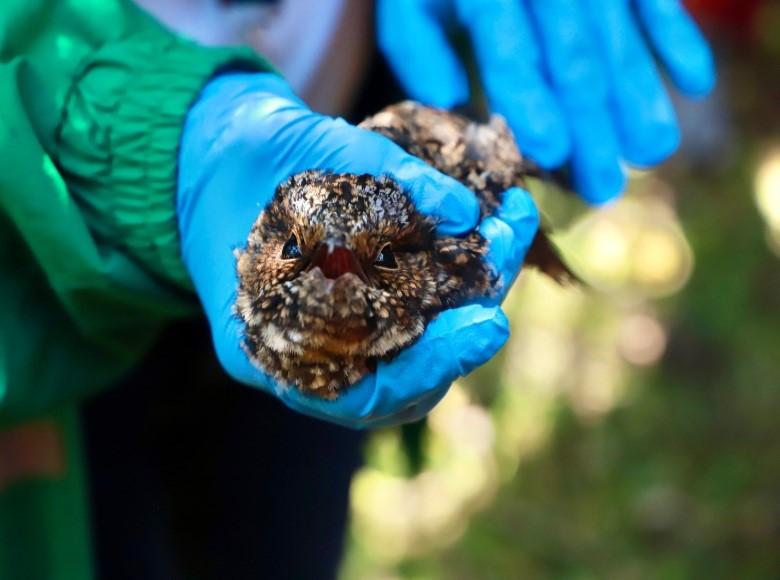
{"x": 291, "y": 250}
{"x": 385, "y": 258}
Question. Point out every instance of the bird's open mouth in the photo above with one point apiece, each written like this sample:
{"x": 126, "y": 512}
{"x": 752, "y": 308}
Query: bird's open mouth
{"x": 336, "y": 261}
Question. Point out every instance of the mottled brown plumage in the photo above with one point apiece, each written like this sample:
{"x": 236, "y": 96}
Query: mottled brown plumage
{"x": 482, "y": 156}
{"x": 341, "y": 270}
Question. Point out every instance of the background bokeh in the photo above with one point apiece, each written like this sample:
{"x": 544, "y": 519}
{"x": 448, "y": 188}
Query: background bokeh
{"x": 631, "y": 430}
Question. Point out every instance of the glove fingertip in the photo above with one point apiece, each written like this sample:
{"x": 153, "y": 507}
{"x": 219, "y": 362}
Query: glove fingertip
{"x": 495, "y": 335}
{"x": 449, "y": 202}
{"x": 680, "y": 45}
{"x": 659, "y": 144}
{"x": 598, "y": 174}
{"x": 505, "y": 254}
{"x": 600, "y": 185}
{"x": 519, "y": 210}
{"x": 459, "y": 207}
{"x": 472, "y": 334}
{"x": 509, "y": 238}
{"x": 700, "y": 80}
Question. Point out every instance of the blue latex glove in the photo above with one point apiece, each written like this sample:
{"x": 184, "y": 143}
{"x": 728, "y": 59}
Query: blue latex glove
{"x": 575, "y": 79}
{"x": 246, "y": 134}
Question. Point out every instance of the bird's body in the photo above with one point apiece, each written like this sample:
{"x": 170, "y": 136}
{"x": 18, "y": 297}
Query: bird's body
{"x": 341, "y": 270}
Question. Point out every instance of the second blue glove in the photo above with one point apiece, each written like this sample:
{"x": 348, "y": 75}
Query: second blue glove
{"x": 247, "y": 134}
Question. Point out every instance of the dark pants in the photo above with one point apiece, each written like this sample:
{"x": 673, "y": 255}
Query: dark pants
{"x": 193, "y": 476}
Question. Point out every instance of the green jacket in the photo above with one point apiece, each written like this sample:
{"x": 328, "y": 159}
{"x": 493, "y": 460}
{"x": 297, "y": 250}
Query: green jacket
{"x": 93, "y": 95}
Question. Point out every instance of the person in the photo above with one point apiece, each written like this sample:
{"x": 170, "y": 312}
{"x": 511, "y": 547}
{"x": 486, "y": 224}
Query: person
{"x": 134, "y": 162}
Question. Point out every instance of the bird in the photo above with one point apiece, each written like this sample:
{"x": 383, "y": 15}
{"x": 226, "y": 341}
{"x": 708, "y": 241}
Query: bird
{"x": 341, "y": 271}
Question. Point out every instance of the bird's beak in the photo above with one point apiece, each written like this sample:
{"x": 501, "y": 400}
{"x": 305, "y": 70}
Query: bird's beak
{"x": 335, "y": 260}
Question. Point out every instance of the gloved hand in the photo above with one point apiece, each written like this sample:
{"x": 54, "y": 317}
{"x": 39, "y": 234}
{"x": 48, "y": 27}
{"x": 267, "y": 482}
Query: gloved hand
{"x": 574, "y": 78}
{"x": 246, "y": 134}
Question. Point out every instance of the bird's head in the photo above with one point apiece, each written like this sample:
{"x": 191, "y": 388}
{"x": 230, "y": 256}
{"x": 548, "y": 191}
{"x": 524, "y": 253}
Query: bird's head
{"x": 338, "y": 265}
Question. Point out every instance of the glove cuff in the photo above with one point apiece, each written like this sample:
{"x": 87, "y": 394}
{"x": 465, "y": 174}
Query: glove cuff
{"x": 118, "y": 139}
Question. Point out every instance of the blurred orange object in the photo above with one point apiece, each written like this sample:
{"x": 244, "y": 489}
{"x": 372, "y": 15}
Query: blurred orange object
{"x": 736, "y": 17}
{"x": 29, "y": 451}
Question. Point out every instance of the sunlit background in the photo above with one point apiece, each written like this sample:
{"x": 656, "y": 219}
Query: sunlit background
{"x": 631, "y": 429}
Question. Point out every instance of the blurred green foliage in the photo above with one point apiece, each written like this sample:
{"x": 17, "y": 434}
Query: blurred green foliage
{"x": 676, "y": 473}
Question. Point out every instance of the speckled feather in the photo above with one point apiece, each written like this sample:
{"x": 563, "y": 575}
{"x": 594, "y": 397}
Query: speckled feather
{"x": 482, "y": 156}
{"x": 322, "y": 334}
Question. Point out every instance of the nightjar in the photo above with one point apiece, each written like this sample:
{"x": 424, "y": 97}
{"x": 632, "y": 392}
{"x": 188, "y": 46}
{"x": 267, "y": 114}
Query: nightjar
{"x": 341, "y": 270}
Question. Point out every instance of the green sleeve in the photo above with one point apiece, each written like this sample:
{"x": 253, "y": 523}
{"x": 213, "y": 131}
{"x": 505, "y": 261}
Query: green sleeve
{"x": 93, "y": 97}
